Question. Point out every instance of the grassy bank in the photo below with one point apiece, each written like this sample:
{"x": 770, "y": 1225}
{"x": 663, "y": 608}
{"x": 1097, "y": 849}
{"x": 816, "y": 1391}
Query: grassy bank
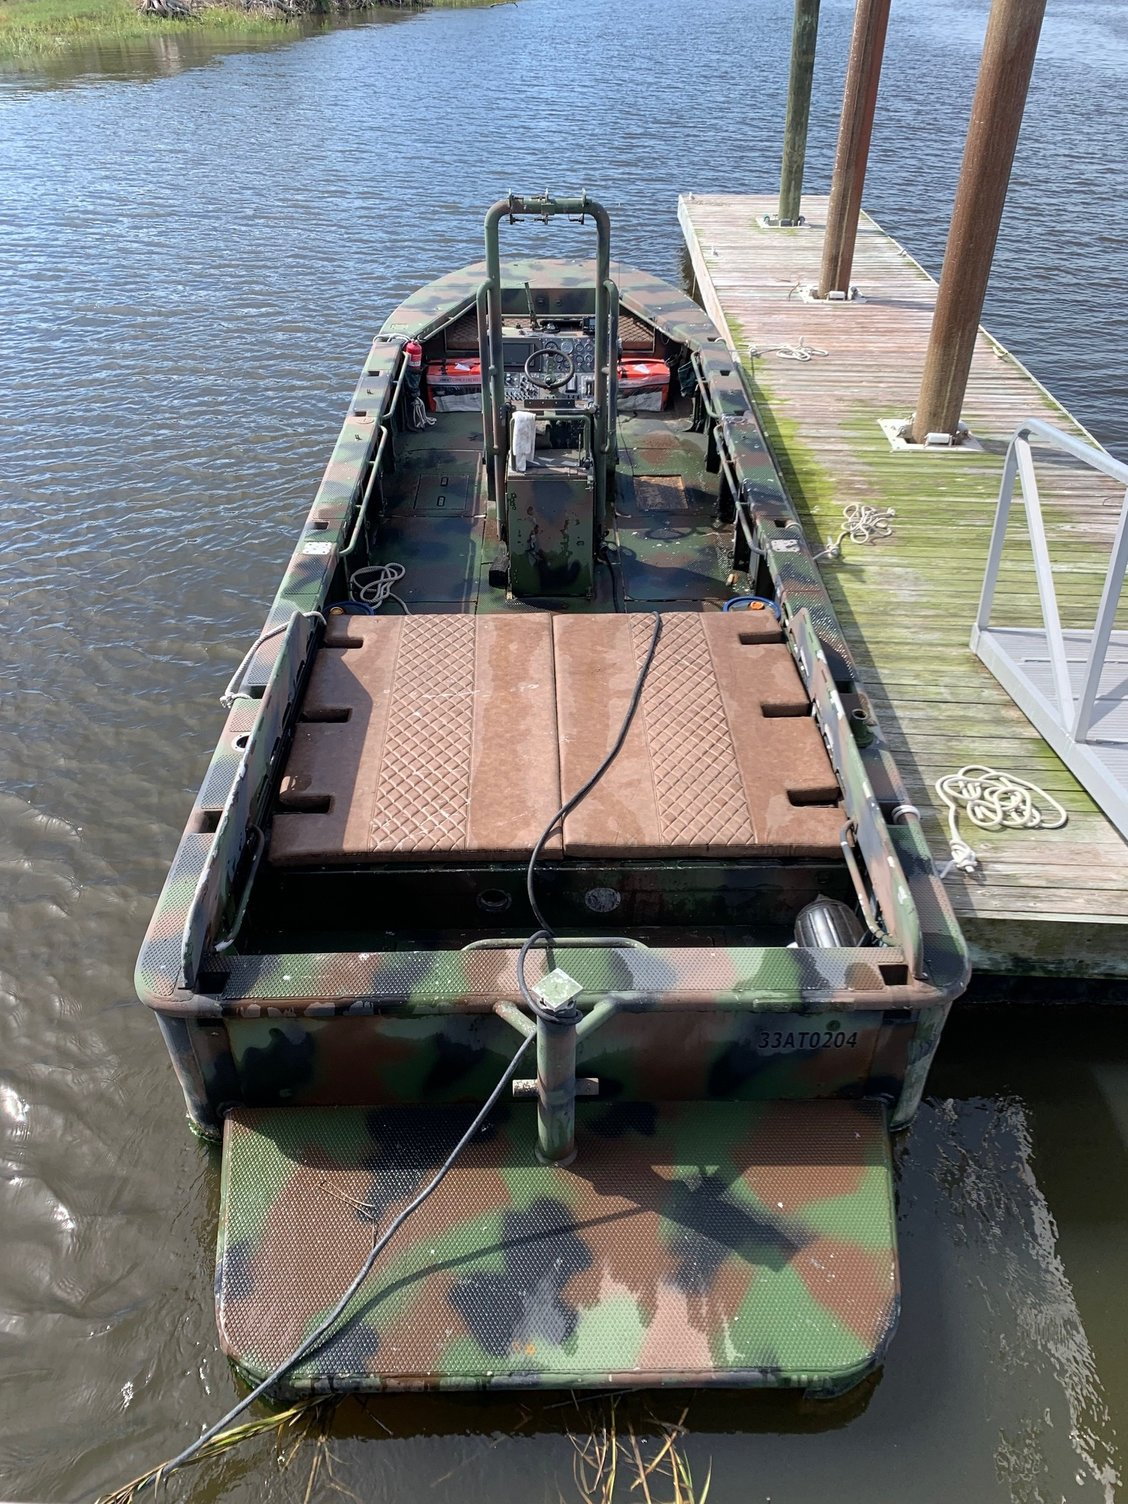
{"x": 34, "y": 28}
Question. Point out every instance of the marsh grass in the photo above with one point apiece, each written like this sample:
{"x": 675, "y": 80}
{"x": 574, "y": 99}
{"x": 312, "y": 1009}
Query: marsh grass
{"x": 31, "y": 28}
{"x": 622, "y": 1454}
{"x": 303, "y": 1427}
{"x": 609, "y": 1462}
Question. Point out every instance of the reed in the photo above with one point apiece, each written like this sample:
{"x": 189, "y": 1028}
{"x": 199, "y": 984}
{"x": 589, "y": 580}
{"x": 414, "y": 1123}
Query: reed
{"x": 31, "y": 29}
{"x": 304, "y": 1424}
{"x": 608, "y": 1461}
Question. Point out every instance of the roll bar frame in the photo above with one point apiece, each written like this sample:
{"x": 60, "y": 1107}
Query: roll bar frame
{"x": 545, "y": 207}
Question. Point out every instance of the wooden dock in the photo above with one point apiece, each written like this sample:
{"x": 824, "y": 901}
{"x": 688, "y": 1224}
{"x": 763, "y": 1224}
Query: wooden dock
{"x": 1048, "y": 903}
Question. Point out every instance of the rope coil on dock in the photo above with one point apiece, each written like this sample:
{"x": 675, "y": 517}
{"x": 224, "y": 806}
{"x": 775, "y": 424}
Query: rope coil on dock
{"x": 861, "y": 523}
{"x": 992, "y": 800}
{"x": 800, "y": 351}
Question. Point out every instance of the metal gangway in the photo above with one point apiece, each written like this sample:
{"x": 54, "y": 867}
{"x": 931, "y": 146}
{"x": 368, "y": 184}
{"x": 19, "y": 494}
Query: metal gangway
{"x": 1072, "y": 684}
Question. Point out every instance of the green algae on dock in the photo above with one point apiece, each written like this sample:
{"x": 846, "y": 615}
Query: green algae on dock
{"x": 1044, "y": 902}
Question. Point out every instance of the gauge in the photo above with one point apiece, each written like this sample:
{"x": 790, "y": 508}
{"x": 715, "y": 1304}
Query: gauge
{"x": 567, "y": 345}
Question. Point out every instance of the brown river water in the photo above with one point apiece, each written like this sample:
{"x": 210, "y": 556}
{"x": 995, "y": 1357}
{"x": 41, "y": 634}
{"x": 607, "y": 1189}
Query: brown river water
{"x": 195, "y": 248}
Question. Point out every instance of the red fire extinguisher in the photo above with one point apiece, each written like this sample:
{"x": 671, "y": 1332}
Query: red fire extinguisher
{"x": 413, "y": 354}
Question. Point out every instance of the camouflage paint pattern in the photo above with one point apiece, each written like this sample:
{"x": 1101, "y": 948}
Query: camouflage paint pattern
{"x": 727, "y": 1039}
{"x": 829, "y": 979}
{"x": 703, "y": 1242}
{"x": 844, "y": 1033}
{"x": 657, "y": 1056}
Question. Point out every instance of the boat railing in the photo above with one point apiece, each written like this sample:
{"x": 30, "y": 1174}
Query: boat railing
{"x": 1072, "y": 684}
{"x": 237, "y": 827}
{"x": 866, "y": 831}
{"x": 360, "y": 519}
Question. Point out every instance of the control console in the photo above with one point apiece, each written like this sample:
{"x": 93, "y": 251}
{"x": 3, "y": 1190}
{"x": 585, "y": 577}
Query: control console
{"x": 549, "y": 366}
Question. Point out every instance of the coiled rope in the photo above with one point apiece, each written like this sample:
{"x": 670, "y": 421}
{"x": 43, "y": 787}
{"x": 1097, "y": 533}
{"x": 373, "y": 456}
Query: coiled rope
{"x": 801, "y": 351}
{"x": 861, "y": 524}
{"x": 992, "y": 800}
{"x": 420, "y": 417}
{"x": 372, "y": 586}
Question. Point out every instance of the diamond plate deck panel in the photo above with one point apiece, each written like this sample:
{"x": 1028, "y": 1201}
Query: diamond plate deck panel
{"x": 422, "y": 737}
{"x": 723, "y": 757}
{"x": 702, "y": 1243}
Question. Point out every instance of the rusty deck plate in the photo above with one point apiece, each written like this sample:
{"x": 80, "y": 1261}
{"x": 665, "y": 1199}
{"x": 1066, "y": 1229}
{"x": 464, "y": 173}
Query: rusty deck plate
{"x": 449, "y": 737}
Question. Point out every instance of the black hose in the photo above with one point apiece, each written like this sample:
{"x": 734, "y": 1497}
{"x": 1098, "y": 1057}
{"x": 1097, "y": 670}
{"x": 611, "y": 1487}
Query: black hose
{"x": 323, "y": 1328}
{"x": 552, "y": 1015}
{"x": 560, "y": 1015}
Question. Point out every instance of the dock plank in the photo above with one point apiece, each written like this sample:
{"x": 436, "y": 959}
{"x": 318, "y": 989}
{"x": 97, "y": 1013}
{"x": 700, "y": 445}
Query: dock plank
{"x": 906, "y": 603}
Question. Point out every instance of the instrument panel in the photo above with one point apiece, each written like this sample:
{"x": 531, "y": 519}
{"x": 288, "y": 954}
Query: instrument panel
{"x": 564, "y": 357}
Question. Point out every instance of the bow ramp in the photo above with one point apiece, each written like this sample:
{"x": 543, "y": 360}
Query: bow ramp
{"x": 687, "y": 1244}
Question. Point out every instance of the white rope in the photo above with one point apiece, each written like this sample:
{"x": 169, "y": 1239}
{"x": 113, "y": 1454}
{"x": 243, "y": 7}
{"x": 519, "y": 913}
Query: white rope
{"x": 861, "y": 524}
{"x": 420, "y": 417}
{"x": 372, "y": 585}
{"x": 992, "y": 801}
{"x": 235, "y": 684}
{"x": 801, "y": 351}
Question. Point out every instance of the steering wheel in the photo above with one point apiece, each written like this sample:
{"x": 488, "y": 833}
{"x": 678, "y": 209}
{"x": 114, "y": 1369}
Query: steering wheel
{"x": 550, "y": 382}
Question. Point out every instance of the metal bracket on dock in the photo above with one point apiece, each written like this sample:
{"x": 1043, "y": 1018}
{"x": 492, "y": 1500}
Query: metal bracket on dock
{"x": 808, "y": 292}
{"x": 773, "y": 222}
{"x": 897, "y": 431}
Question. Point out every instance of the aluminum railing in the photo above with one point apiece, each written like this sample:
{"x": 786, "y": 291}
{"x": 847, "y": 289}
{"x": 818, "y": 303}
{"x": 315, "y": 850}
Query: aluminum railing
{"x": 1081, "y": 714}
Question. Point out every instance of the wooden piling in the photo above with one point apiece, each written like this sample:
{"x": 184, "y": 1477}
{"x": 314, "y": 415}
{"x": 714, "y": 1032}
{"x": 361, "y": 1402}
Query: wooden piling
{"x": 804, "y": 36}
{"x": 859, "y": 103}
{"x": 1009, "y": 49}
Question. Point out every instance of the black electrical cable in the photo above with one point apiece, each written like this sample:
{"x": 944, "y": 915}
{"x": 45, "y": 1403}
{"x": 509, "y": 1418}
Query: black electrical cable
{"x": 570, "y": 1015}
{"x": 322, "y": 1330}
{"x": 324, "y": 1327}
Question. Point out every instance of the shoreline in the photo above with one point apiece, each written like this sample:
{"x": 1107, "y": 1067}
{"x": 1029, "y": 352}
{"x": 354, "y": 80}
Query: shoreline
{"x": 31, "y": 30}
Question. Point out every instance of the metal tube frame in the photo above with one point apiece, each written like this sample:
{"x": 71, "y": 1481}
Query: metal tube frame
{"x": 377, "y": 458}
{"x": 1075, "y": 716}
{"x": 556, "y": 1091}
{"x": 521, "y": 206}
{"x": 556, "y": 1085}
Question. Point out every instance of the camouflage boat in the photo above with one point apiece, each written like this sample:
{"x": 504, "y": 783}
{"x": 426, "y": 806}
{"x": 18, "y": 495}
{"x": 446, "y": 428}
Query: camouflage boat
{"x": 550, "y": 537}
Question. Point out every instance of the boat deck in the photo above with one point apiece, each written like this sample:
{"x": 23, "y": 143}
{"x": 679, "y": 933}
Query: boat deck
{"x": 724, "y": 765}
{"x": 1044, "y": 902}
{"x": 437, "y": 523}
{"x": 454, "y": 737}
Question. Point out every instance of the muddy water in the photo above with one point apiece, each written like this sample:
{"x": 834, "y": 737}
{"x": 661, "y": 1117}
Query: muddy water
{"x": 196, "y": 249}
